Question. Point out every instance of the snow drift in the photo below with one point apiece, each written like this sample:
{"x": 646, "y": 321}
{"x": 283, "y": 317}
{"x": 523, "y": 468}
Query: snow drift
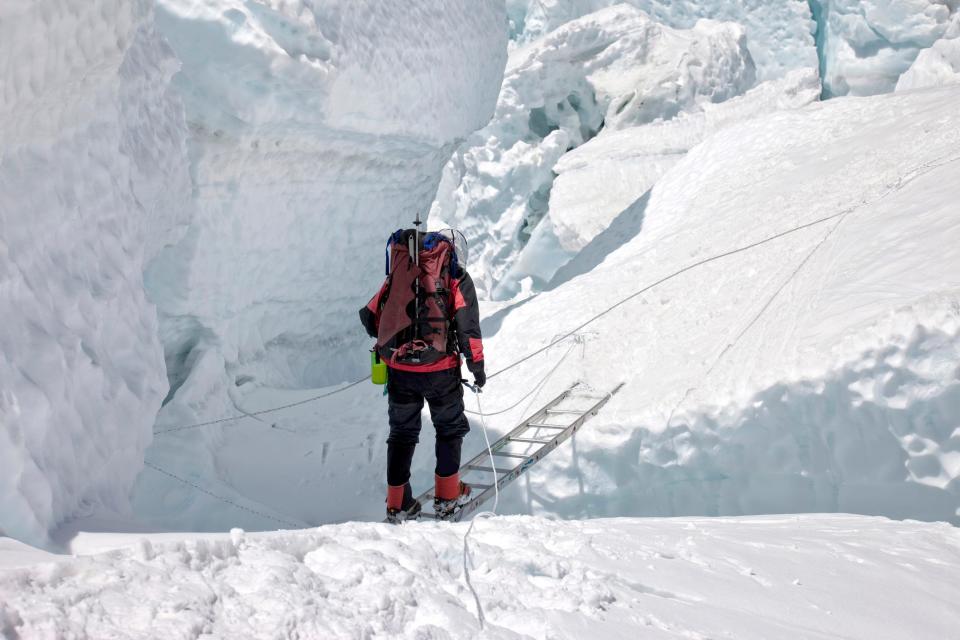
{"x": 93, "y": 183}
{"x": 751, "y": 578}
{"x": 612, "y": 69}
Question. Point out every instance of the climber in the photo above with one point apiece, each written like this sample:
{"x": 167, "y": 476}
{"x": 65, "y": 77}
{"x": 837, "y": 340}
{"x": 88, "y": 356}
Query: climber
{"x": 422, "y": 344}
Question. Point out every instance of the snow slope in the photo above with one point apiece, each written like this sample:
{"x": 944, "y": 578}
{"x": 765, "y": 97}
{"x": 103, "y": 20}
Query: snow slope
{"x": 612, "y": 69}
{"x": 817, "y": 372}
{"x": 93, "y": 182}
{"x": 316, "y": 128}
{"x": 770, "y": 577}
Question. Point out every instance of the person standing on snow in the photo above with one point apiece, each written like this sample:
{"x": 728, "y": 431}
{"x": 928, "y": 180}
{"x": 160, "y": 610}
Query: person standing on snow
{"x": 424, "y": 317}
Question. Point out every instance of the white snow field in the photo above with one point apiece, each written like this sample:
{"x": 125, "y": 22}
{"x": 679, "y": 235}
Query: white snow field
{"x": 93, "y": 182}
{"x": 763, "y": 577}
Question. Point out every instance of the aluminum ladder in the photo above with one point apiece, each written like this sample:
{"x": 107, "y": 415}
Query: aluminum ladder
{"x": 526, "y": 445}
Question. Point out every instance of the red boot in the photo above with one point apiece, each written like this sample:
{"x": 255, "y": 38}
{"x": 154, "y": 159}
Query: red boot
{"x": 401, "y": 505}
{"x": 449, "y": 495}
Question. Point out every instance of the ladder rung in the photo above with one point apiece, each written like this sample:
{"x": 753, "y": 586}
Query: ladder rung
{"x": 547, "y": 425}
{"x": 480, "y": 467}
{"x": 570, "y": 411}
{"x": 477, "y": 485}
{"x": 508, "y": 454}
{"x": 530, "y": 440}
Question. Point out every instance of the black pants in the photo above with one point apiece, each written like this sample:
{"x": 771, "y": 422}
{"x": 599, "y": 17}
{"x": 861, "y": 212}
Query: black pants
{"x": 444, "y": 394}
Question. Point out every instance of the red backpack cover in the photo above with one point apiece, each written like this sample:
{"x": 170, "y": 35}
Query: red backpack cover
{"x": 415, "y": 308}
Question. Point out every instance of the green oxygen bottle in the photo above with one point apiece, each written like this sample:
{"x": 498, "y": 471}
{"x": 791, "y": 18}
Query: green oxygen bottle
{"x": 378, "y": 368}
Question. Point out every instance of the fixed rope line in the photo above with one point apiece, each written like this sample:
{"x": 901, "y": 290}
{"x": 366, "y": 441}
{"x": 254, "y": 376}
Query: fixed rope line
{"x": 667, "y": 278}
{"x": 901, "y": 183}
{"x": 485, "y": 514}
{"x": 222, "y": 499}
{"x": 253, "y": 414}
{"x": 730, "y": 345}
{"x": 532, "y": 391}
{"x": 553, "y": 342}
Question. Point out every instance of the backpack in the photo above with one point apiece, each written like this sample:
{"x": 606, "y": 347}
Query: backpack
{"x": 415, "y": 311}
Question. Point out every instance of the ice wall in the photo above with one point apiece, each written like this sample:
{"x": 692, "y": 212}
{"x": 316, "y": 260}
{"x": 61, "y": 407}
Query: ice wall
{"x": 866, "y": 45}
{"x": 779, "y": 33}
{"x": 609, "y": 70}
{"x": 92, "y": 179}
{"x": 317, "y": 128}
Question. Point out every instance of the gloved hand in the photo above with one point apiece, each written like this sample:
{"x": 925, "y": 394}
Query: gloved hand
{"x": 479, "y": 377}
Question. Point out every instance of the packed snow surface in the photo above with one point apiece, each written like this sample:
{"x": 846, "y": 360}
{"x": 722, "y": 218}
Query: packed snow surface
{"x": 611, "y": 69}
{"x": 93, "y": 182}
{"x": 762, "y": 577}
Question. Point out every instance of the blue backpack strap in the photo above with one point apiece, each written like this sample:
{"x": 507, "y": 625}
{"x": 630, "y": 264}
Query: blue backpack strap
{"x": 431, "y": 239}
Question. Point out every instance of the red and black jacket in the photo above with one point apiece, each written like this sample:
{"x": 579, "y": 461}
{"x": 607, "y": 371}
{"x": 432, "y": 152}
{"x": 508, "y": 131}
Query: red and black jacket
{"x": 465, "y": 323}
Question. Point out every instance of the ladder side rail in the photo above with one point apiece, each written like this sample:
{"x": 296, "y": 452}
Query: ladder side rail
{"x": 532, "y": 459}
{"x": 502, "y": 442}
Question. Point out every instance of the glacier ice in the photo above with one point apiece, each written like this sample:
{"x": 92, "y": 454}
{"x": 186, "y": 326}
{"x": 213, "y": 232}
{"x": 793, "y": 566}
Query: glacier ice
{"x": 597, "y": 181}
{"x": 866, "y": 45}
{"x": 317, "y": 129}
{"x": 93, "y": 182}
{"x": 611, "y": 69}
{"x": 779, "y": 34}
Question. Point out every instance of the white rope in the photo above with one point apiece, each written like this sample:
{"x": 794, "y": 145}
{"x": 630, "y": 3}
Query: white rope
{"x": 536, "y": 389}
{"x": 195, "y": 486}
{"x": 484, "y": 514}
{"x": 254, "y": 414}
